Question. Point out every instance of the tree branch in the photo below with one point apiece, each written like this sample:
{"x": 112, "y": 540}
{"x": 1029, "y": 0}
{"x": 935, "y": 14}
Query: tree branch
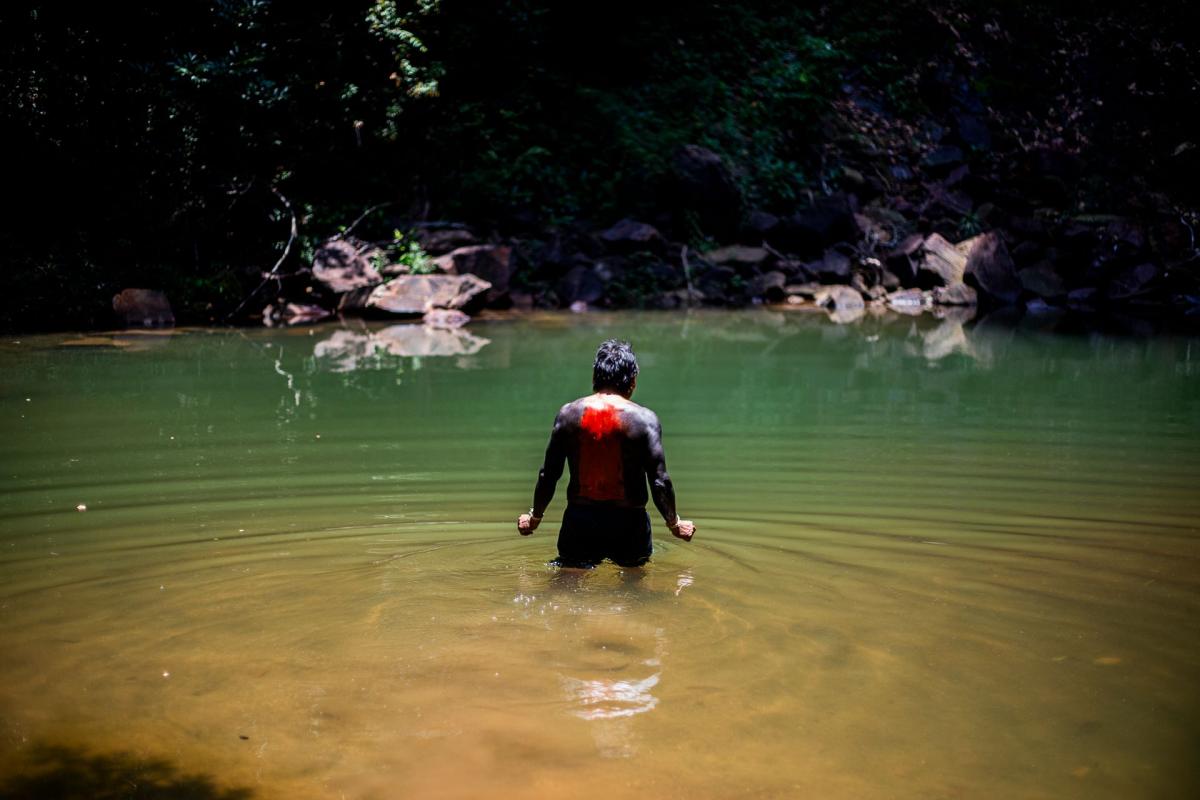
{"x": 361, "y": 217}
{"x": 295, "y": 232}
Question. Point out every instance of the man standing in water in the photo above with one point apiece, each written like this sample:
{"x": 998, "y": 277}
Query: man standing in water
{"x": 613, "y": 446}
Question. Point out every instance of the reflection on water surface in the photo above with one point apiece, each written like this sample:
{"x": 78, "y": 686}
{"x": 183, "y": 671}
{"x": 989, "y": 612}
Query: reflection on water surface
{"x": 936, "y": 558}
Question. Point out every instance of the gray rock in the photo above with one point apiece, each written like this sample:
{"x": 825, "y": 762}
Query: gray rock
{"x": 769, "y": 286}
{"x": 941, "y": 263}
{"x": 958, "y": 294}
{"x": 629, "y": 236}
{"x": 905, "y": 258}
{"x": 834, "y": 267}
{"x": 344, "y": 265}
{"x": 908, "y": 301}
{"x": 843, "y": 303}
{"x": 1132, "y": 282}
{"x": 943, "y": 159}
{"x": 808, "y": 291}
{"x": 491, "y": 262}
{"x": 144, "y": 308}
{"x": 990, "y": 268}
{"x": 738, "y": 255}
{"x": 440, "y": 241}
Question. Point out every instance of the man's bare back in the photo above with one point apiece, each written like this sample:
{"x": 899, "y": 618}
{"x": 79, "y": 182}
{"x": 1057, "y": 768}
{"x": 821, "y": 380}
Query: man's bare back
{"x": 613, "y": 447}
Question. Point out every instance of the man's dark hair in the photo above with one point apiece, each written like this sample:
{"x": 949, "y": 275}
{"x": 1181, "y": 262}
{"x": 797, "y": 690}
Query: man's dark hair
{"x": 615, "y": 367}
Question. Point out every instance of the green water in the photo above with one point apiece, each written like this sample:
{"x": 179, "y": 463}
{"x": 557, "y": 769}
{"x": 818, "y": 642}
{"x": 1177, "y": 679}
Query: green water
{"x": 930, "y": 562}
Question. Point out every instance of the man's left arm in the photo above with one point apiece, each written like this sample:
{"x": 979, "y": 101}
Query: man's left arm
{"x": 548, "y": 475}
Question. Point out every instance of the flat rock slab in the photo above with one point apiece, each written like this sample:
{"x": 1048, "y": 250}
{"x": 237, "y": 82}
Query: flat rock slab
{"x": 416, "y": 294}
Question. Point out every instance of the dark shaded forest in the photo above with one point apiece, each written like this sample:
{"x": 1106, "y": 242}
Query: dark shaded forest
{"x": 211, "y": 150}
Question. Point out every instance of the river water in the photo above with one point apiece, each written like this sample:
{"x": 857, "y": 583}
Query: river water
{"x": 931, "y": 562}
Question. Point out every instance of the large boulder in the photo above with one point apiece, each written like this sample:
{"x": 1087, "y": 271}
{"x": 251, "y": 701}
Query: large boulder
{"x": 942, "y": 264}
{"x": 834, "y": 267}
{"x": 492, "y": 262}
{"x": 843, "y": 303}
{"x": 417, "y": 294}
{"x": 704, "y": 185}
{"x": 343, "y": 265}
{"x": 143, "y": 308}
{"x": 990, "y": 268}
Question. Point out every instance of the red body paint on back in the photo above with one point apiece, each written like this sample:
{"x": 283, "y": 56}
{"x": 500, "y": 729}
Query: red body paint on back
{"x": 601, "y": 471}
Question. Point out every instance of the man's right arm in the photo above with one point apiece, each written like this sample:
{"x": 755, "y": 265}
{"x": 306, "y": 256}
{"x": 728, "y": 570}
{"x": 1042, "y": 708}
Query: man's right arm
{"x": 661, "y": 488}
{"x": 548, "y": 475}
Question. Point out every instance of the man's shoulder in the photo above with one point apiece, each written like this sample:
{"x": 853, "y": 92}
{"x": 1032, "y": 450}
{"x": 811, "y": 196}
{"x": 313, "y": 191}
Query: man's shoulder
{"x": 643, "y": 417}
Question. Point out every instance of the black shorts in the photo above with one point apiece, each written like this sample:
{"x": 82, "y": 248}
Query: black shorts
{"x": 590, "y": 534}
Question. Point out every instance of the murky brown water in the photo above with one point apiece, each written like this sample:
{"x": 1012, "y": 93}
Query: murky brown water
{"x": 930, "y": 563}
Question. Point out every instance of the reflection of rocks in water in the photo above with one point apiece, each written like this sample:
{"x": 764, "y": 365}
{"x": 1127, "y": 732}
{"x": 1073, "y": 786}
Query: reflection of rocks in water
{"x": 346, "y": 351}
{"x": 946, "y": 339}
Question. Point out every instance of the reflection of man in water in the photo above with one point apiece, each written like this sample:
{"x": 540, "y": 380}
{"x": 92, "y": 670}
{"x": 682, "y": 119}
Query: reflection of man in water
{"x": 613, "y": 446}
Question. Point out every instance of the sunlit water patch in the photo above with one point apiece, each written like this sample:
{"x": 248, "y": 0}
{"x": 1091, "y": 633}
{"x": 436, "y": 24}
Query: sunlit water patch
{"x": 933, "y": 560}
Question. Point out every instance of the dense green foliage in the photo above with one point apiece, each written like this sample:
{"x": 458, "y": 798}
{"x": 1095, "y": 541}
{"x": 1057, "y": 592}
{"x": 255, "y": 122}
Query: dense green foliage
{"x": 148, "y": 141}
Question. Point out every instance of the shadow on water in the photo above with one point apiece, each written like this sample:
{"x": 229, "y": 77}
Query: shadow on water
{"x": 67, "y": 773}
